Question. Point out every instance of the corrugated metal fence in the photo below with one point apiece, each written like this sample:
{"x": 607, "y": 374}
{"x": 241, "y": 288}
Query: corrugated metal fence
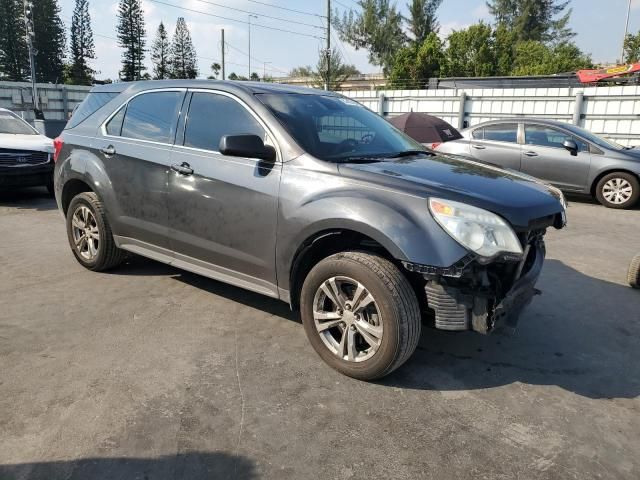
{"x": 613, "y": 112}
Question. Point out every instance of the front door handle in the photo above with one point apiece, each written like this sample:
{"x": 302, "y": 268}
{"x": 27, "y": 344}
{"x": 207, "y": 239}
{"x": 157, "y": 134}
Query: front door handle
{"x": 108, "y": 151}
{"x": 531, "y": 154}
{"x": 183, "y": 169}
{"x": 479, "y": 147}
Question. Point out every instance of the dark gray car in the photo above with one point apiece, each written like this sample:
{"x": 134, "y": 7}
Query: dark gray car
{"x": 569, "y": 157}
{"x": 307, "y": 197}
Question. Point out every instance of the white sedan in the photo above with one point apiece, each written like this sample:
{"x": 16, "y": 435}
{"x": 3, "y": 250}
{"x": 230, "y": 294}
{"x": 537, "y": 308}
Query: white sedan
{"x": 26, "y": 156}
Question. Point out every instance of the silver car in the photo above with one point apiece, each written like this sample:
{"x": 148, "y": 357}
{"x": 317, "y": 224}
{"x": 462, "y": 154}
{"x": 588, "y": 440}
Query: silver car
{"x": 569, "y": 157}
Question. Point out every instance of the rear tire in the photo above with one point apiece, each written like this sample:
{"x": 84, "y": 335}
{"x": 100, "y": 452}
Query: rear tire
{"x": 89, "y": 234}
{"x": 633, "y": 276}
{"x": 379, "y": 322}
{"x": 619, "y": 190}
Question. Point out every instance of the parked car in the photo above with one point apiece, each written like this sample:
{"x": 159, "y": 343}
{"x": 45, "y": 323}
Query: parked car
{"x": 569, "y": 157}
{"x": 633, "y": 276}
{"x": 26, "y": 158}
{"x": 307, "y": 197}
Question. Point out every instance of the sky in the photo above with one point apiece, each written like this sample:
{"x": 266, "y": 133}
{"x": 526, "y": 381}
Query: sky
{"x": 599, "y": 26}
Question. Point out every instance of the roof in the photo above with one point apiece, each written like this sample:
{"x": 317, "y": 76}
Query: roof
{"x": 226, "y": 85}
{"x": 543, "y": 121}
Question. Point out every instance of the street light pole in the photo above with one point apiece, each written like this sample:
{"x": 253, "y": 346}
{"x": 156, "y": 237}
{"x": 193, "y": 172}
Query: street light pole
{"x": 28, "y": 23}
{"x": 264, "y": 70}
{"x": 626, "y": 31}
{"x": 250, "y": 16}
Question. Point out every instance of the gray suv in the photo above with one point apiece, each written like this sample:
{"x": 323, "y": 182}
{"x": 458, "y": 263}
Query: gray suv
{"x": 307, "y": 197}
{"x": 569, "y": 157}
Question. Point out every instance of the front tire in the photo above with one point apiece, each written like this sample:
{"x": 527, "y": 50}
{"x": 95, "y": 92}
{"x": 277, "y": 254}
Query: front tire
{"x": 619, "y": 190}
{"x": 633, "y": 276}
{"x": 360, "y": 314}
{"x": 89, "y": 234}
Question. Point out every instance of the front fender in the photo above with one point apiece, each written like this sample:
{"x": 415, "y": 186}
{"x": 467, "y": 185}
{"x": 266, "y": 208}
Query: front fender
{"x": 399, "y": 221}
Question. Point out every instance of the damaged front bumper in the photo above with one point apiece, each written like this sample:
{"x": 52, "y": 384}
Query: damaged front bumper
{"x": 479, "y": 297}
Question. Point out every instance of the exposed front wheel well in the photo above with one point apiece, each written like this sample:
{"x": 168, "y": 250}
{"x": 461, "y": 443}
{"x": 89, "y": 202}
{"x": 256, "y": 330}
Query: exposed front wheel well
{"x": 70, "y": 190}
{"x": 330, "y": 242}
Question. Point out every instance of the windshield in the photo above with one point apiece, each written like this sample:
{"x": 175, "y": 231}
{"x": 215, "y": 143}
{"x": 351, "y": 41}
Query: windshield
{"x": 11, "y": 124}
{"x": 593, "y": 138}
{"x": 337, "y": 129}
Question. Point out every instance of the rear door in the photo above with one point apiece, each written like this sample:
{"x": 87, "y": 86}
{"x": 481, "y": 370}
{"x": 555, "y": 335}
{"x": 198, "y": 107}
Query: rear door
{"x": 544, "y": 156}
{"x": 223, "y": 213}
{"x": 496, "y": 144}
{"x": 135, "y": 144}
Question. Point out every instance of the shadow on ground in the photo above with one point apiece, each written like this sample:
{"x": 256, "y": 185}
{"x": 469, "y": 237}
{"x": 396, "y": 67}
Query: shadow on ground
{"x": 34, "y": 198}
{"x": 580, "y": 335}
{"x": 187, "y": 466}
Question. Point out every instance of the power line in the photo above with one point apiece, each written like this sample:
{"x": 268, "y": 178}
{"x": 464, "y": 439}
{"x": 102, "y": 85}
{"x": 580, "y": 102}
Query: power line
{"x": 288, "y": 20}
{"x": 253, "y": 58}
{"x": 237, "y": 20}
{"x": 287, "y": 9}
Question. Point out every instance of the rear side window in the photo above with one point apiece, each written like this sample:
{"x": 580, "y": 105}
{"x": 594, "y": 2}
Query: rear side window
{"x": 89, "y": 106}
{"x": 152, "y": 116}
{"x": 503, "y": 132}
{"x": 114, "y": 126}
{"x": 212, "y": 116}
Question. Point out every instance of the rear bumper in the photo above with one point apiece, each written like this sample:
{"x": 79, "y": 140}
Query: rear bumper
{"x": 14, "y": 177}
{"x": 478, "y": 301}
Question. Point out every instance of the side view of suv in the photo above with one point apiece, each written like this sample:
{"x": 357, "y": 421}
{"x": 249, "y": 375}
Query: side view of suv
{"x": 307, "y": 197}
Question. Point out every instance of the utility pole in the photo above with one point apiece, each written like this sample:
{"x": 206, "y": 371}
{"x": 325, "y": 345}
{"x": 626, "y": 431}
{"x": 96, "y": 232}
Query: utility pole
{"x": 626, "y": 31}
{"x": 224, "y": 76}
{"x": 28, "y": 23}
{"x": 328, "y": 52}
{"x": 264, "y": 70}
{"x": 250, "y": 16}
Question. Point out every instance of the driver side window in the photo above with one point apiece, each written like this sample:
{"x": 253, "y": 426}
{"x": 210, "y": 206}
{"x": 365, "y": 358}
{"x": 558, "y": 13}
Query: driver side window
{"x": 212, "y": 116}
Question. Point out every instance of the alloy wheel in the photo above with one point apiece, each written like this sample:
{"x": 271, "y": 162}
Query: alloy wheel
{"x": 347, "y": 318}
{"x": 86, "y": 235}
{"x": 617, "y": 191}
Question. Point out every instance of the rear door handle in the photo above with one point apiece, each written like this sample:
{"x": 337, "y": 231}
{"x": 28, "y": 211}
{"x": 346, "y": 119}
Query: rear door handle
{"x": 479, "y": 147}
{"x": 531, "y": 154}
{"x": 183, "y": 169}
{"x": 110, "y": 150}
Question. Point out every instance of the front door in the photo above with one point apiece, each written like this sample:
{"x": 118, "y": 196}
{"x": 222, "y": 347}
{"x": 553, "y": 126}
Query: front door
{"x": 222, "y": 209}
{"x": 135, "y": 144}
{"x": 545, "y": 157}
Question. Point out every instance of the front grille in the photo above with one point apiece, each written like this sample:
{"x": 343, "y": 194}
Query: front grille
{"x": 19, "y": 158}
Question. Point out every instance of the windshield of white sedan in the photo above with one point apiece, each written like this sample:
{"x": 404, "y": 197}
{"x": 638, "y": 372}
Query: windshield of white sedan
{"x": 338, "y": 129}
{"x": 593, "y": 138}
{"x": 15, "y": 126}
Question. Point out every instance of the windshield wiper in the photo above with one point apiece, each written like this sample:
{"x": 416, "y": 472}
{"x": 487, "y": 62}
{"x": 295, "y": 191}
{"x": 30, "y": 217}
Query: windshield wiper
{"x": 408, "y": 153}
{"x": 363, "y": 159}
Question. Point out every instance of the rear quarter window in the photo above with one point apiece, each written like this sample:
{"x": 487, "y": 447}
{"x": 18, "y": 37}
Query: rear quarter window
{"x": 90, "y": 105}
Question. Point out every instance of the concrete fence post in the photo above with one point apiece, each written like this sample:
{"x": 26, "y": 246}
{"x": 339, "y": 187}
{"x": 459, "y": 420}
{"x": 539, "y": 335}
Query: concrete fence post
{"x": 462, "y": 111}
{"x": 65, "y": 102}
{"x": 577, "y": 109}
{"x": 381, "y": 100}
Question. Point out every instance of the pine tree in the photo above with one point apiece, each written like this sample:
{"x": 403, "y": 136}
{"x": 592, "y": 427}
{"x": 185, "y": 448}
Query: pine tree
{"x": 81, "y": 48}
{"x": 14, "y": 57}
{"x": 49, "y": 41}
{"x": 184, "y": 63}
{"x": 422, "y": 20}
{"x": 160, "y": 54}
{"x": 131, "y": 37}
{"x": 537, "y": 20}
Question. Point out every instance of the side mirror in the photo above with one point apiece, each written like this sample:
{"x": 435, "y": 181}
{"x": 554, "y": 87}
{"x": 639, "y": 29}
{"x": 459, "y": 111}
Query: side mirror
{"x": 571, "y": 145}
{"x": 248, "y": 146}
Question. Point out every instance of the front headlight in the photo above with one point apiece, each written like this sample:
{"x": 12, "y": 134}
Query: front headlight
{"x": 480, "y": 231}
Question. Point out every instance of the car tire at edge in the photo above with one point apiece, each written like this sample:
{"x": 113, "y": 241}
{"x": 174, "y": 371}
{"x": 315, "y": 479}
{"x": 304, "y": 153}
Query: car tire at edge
{"x": 609, "y": 180}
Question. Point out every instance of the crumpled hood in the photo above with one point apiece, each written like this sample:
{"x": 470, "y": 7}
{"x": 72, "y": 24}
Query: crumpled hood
{"x": 518, "y": 198}
{"x": 38, "y": 143}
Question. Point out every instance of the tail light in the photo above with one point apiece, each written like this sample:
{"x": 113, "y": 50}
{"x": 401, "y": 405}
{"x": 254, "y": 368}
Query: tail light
{"x": 434, "y": 146}
{"x": 57, "y": 148}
